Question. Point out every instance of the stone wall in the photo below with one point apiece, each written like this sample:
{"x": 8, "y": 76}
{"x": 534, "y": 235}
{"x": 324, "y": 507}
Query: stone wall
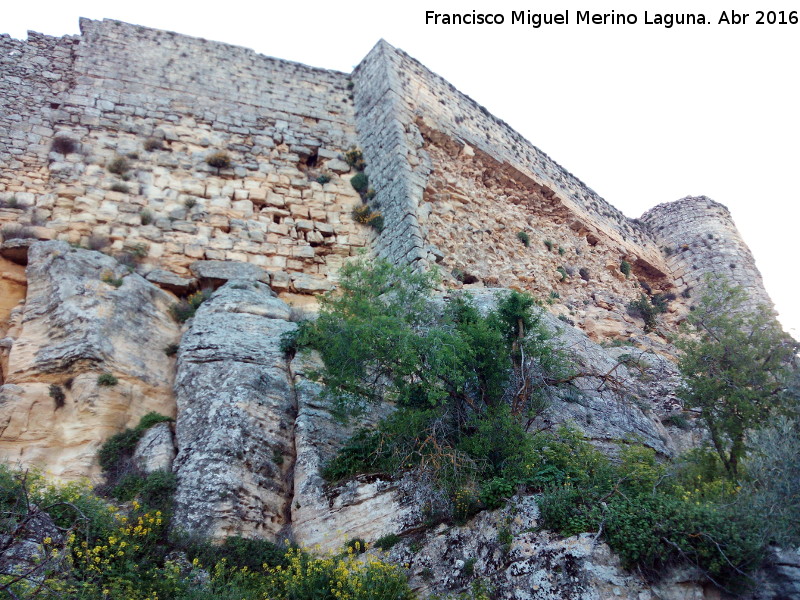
{"x": 36, "y": 75}
{"x": 419, "y": 99}
{"x": 143, "y": 109}
{"x": 104, "y": 141}
{"x": 700, "y": 239}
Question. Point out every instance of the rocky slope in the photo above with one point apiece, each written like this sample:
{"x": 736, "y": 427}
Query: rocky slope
{"x": 252, "y": 428}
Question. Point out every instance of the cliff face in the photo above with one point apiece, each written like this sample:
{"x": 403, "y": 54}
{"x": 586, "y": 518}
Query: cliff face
{"x": 104, "y": 141}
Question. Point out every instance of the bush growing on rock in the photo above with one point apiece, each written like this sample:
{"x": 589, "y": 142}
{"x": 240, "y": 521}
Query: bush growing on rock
{"x": 64, "y": 145}
{"x": 119, "y": 166}
{"x": 185, "y": 308}
{"x": 736, "y": 368}
{"x": 107, "y": 380}
{"x": 360, "y": 183}
{"x": 467, "y": 383}
{"x": 106, "y": 553}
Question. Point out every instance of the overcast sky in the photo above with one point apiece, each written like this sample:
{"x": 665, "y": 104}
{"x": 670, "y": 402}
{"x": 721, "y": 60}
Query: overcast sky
{"x": 643, "y": 114}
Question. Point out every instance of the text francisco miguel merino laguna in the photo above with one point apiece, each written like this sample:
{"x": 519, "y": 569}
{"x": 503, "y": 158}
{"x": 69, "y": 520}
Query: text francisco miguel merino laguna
{"x": 587, "y": 17}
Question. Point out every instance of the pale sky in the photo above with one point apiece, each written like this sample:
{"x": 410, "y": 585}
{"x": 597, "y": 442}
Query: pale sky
{"x": 642, "y": 114}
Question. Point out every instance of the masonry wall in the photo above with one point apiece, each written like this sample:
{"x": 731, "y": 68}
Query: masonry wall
{"x": 702, "y": 240}
{"x": 419, "y": 97}
{"x": 162, "y": 103}
{"x": 36, "y": 74}
{"x": 104, "y": 140}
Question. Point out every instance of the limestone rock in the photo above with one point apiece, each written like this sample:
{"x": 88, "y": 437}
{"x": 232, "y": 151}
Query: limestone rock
{"x": 308, "y": 284}
{"x": 326, "y": 515}
{"x": 505, "y": 549}
{"x": 780, "y": 577}
{"x": 155, "y": 451}
{"x": 217, "y": 272}
{"x": 236, "y": 410}
{"x": 250, "y": 297}
{"x": 74, "y": 327}
{"x": 16, "y": 250}
{"x": 337, "y": 166}
{"x": 171, "y": 282}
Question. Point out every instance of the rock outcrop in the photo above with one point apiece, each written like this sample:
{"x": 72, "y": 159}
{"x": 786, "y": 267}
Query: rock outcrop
{"x": 366, "y": 507}
{"x": 78, "y": 324}
{"x": 106, "y": 140}
{"x": 236, "y": 408}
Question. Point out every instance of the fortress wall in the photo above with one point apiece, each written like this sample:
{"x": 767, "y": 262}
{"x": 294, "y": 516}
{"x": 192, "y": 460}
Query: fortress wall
{"x": 424, "y": 101}
{"x": 701, "y": 239}
{"x": 382, "y": 138}
{"x": 455, "y": 184}
{"x": 164, "y": 102}
{"x": 35, "y": 76}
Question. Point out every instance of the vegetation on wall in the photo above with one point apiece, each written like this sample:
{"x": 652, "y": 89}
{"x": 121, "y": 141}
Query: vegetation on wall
{"x": 463, "y": 380}
{"x": 455, "y": 374}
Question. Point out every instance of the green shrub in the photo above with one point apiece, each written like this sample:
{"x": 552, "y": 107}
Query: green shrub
{"x": 524, "y": 238}
{"x": 146, "y": 216}
{"x": 625, "y": 268}
{"x": 678, "y": 420}
{"x": 118, "y": 556}
{"x": 185, "y": 308}
{"x": 366, "y": 216}
{"x": 356, "y": 545}
{"x": 64, "y": 145}
{"x": 323, "y": 179}
{"x": 360, "y": 182}
{"x": 219, "y": 160}
{"x": 387, "y": 541}
{"x": 563, "y": 272}
{"x": 355, "y": 159}
{"x": 445, "y": 365}
{"x": 107, "y": 380}
{"x": 120, "y": 187}
{"x": 647, "y": 310}
{"x": 239, "y": 551}
{"x": 120, "y": 446}
{"x": 150, "y": 419}
{"x": 549, "y": 245}
{"x": 119, "y": 166}
{"x": 108, "y": 277}
{"x": 139, "y": 251}
{"x": 152, "y": 144}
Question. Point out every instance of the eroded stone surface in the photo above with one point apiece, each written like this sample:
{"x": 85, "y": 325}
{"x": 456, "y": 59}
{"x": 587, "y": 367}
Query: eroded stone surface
{"x": 74, "y": 327}
{"x": 155, "y": 451}
{"x": 327, "y": 515}
{"x": 236, "y": 410}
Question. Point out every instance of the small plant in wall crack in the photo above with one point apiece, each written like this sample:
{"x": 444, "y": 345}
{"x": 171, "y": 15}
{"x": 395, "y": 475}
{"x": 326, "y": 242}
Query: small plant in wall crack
{"x": 367, "y": 216}
{"x": 219, "y": 160}
{"x": 107, "y": 380}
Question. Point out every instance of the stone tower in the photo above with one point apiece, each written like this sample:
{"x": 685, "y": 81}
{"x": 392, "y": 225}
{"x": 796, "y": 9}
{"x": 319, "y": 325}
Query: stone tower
{"x": 699, "y": 237}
